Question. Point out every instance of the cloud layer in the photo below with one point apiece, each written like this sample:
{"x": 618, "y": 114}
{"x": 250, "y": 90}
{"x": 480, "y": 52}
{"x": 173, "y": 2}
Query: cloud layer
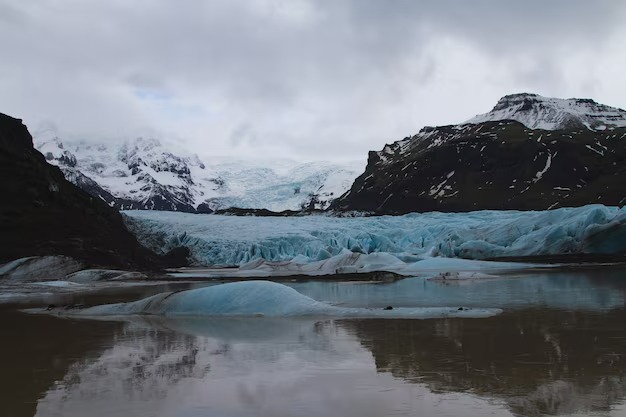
{"x": 308, "y": 79}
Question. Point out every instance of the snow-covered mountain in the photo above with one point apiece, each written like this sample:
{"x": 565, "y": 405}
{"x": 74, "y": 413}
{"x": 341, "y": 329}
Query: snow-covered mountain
{"x": 537, "y": 112}
{"x": 146, "y": 174}
{"x": 529, "y": 153}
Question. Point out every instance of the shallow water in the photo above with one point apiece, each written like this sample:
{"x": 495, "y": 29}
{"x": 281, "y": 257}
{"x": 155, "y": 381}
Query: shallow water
{"x": 558, "y": 349}
{"x": 564, "y": 289}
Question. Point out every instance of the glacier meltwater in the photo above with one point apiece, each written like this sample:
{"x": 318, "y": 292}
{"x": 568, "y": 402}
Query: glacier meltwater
{"x": 317, "y": 241}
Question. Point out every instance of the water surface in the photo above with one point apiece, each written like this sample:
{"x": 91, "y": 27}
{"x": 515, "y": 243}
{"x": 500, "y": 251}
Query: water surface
{"x": 558, "y": 349}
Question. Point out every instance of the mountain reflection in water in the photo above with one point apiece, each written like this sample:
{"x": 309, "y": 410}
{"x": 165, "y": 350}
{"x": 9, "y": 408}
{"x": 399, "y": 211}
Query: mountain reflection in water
{"x": 525, "y": 363}
{"x": 540, "y": 362}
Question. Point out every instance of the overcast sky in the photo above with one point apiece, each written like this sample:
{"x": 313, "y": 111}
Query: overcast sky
{"x": 306, "y": 79}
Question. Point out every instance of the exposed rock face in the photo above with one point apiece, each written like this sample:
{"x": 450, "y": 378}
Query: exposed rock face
{"x": 43, "y": 214}
{"x": 492, "y": 165}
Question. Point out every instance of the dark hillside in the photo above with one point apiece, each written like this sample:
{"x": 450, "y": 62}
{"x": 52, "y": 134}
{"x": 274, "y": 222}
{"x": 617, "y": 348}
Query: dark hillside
{"x": 43, "y": 214}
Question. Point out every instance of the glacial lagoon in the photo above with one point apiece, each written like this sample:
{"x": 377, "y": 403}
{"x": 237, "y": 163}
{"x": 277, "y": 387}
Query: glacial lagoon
{"x": 557, "y": 348}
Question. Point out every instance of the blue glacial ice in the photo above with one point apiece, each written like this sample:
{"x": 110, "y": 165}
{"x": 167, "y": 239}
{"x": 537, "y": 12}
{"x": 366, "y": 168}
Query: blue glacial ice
{"x": 262, "y": 298}
{"x": 316, "y": 241}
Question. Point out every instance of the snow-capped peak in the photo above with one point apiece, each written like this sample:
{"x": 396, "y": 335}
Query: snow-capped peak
{"x": 54, "y": 151}
{"x": 538, "y": 112}
{"x": 145, "y": 173}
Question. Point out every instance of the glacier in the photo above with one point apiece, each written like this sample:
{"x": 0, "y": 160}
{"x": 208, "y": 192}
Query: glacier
{"x": 262, "y": 299}
{"x": 358, "y": 244}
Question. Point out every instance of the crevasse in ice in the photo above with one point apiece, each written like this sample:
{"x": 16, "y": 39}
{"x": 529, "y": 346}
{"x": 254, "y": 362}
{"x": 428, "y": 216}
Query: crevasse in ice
{"x": 231, "y": 240}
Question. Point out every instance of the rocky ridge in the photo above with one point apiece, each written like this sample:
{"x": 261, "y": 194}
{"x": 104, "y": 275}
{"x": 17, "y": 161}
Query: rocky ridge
{"x": 500, "y": 164}
{"x": 43, "y": 214}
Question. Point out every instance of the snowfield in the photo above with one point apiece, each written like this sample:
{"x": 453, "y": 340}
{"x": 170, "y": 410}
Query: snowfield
{"x": 339, "y": 245}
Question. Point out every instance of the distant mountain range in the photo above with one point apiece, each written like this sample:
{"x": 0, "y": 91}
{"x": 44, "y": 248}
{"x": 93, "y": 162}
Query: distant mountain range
{"x": 529, "y": 153}
{"x": 147, "y": 175}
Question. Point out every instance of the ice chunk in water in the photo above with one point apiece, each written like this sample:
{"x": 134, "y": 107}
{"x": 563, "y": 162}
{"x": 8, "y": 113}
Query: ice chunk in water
{"x": 261, "y": 298}
{"x": 93, "y": 275}
{"x": 39, "y": 268}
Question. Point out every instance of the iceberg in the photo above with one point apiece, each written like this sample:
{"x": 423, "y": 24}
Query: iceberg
{"x": 36, "y": 268}
{"x": 58, "y": 284}
{"x": 261, "y": 299}
{"x": 95, "y": 275}
{"x": 382, "y": 241}
{"x": 349, "y": 263}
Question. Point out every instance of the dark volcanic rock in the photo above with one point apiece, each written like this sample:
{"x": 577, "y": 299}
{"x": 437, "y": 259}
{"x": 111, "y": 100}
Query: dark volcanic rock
{"x": 492, "y": 165}
{"x": 43, "y": 214}
{"x": 234, "y": 211}
{"x": 177, "y": 257}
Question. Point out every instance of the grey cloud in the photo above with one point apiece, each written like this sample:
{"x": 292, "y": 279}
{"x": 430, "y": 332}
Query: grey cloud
{"x": 310, "y": 76}
{"x": 243, "y": 135}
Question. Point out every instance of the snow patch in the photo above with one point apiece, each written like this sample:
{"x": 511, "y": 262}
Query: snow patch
{"x": 601, "y": 153}
{"x": 545, "y": 169}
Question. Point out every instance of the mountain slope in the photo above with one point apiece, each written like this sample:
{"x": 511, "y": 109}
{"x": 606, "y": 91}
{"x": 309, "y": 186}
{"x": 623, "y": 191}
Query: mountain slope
{"x": 537, "y": 112}
{"x": 43, "y": 214}
{"x": 494, "y": 165}
{"x": 145, "y": 174}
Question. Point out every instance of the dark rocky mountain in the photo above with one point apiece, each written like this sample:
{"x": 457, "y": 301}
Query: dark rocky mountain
{"x": 41, "y": 213}
{"x": 492, "y": 165}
